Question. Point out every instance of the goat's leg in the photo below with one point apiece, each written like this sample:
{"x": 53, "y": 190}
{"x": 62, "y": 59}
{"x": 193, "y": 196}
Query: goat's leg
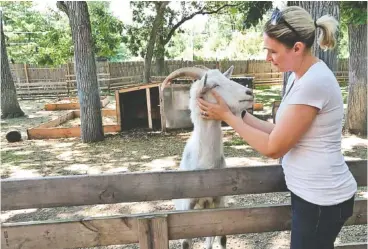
{"x": 185, "y": 204}
{"x": 186, "y": 244}
{"x": 209, "y": 204}
{"x": 223, "y": 240}
{"x": 220, "y": 203}
{"x": 209, "y": 242}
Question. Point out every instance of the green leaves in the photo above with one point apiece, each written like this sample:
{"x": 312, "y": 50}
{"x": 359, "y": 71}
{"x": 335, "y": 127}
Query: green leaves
{"x": 50, "y": 42}
{"x": 106, "y": 29}
{"x": 353, "y": 12}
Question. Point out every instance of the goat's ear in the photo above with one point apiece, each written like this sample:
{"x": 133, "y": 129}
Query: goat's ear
{"x": 205, "y": 87}
{"x": 229, "y": 72}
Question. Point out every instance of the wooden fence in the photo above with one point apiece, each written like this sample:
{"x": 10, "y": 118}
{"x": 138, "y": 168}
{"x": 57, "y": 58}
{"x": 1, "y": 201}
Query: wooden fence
{"x": 153, "y": 231}
{"x": 33, "y": 80}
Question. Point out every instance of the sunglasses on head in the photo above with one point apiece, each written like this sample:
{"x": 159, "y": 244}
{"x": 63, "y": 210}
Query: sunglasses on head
{"x": 276, "y": 17}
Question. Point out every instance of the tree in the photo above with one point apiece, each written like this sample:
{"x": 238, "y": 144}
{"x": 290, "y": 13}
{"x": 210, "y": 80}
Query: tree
{"x": 9, "y": 104}
{"x": 106, "y": 29}
{"x": 160, "y": 9}
{"x": 355, "y": 16}
{"x": 86, "y": 75}
{"x": 175, "y": 18}
{"x": 228, "y": 36}
{"x": 36, "y": 38}
{"x": 45, "y": 38}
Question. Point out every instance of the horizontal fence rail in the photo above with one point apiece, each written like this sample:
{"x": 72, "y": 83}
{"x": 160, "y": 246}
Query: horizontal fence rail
{"x": 361, "y": 245}
{"x": 132, "y": 187}
{"x": 116, "y": 230}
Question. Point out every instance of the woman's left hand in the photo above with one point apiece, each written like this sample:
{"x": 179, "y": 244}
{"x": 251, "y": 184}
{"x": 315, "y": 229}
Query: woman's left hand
{"x": 217, "y": 111}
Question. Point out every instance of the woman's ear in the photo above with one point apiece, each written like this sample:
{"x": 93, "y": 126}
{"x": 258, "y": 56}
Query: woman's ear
{"x": 299, "y": 47}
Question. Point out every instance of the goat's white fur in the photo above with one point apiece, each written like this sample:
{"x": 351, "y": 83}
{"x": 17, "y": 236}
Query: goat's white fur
{"x": 204, "y": 149}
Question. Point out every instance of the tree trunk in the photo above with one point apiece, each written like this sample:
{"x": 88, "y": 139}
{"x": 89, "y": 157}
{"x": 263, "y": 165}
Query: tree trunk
{"x": 356, "y": 118}
{"x": 151, "y": 42}
{"x": 318, "y": 9}
{"x": 86, "y": 75}
{"x": 160, "y": 60}
{"x": 9, "y": 103}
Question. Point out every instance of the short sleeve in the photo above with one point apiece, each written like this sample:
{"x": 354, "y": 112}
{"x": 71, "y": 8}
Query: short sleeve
{"x": 312, "y": 93}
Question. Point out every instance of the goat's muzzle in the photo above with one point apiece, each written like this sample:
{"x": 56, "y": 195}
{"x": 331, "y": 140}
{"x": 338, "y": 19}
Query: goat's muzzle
{"x": 246, "y": 100}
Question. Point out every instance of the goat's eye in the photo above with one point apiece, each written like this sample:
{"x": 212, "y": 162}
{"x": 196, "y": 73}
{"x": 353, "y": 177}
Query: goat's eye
{"x": 215, "y": 85}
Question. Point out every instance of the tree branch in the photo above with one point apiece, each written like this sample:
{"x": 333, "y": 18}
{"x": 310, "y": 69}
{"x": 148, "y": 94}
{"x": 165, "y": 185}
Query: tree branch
{"x": 61, "y": 6}
{"x": 200, "y": 12}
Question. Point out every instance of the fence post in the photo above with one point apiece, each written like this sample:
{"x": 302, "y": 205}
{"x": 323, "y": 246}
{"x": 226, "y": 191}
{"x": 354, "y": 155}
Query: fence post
{"x": 109, "y": 77}
{"x": 153, "y": 232}
{"x": 27, "y": 79}
{"x": 68, "y": 78}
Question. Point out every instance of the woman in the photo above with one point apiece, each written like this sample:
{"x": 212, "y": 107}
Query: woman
{"x": 307, "y": 133}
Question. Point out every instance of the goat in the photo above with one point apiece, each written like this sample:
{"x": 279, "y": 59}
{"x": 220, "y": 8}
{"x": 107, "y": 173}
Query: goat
{"x": 204, "y": 149}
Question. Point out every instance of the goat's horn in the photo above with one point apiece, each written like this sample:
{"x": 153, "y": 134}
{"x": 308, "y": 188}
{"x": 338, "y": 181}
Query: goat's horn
{"x": 193, "y": 72}
{"x": 202, "y": 66}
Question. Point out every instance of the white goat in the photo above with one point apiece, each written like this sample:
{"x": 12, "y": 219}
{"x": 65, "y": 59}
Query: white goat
{"x": 204, "y": 149}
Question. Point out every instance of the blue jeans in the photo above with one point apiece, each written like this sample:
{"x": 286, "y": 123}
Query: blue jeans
{"x": 316, "y": 227}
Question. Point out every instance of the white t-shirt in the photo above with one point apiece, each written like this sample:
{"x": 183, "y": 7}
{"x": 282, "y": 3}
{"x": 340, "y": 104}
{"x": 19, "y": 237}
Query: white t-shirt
{"x": 315, "y": 168}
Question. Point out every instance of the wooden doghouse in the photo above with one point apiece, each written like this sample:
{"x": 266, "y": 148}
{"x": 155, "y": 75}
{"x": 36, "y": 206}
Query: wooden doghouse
{"x": 138, "y": 106}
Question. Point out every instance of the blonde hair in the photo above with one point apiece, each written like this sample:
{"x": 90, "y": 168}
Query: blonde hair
{"x": 329, "y": 25}
{"x": 303, "y": 28}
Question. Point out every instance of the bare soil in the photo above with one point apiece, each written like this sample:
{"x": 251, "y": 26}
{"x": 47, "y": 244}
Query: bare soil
{"x": 138, "y": 151}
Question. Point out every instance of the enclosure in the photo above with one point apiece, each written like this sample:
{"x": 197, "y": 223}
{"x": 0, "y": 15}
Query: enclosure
{"x": 67, "y": 187}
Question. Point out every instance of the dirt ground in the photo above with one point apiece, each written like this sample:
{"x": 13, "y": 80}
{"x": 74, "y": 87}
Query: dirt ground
{"x": 138, "y": 151}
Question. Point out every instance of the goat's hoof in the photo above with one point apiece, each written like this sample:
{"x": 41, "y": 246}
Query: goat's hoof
{"x": 223, "y": 242}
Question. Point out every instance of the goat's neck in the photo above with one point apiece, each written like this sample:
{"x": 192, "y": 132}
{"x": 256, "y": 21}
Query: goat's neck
{"x": 207, "y": 135}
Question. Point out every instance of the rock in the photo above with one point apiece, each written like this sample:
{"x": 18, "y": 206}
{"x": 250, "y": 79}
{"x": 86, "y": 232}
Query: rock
{"x": 13, "y": 136}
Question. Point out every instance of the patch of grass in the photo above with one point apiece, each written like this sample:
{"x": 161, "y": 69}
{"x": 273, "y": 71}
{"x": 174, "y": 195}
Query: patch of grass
{"x": 235, "y": 141}
{"x": 11, "y": 156}
{"x": 344, "y": 91}
{"x": 267, "y": 95}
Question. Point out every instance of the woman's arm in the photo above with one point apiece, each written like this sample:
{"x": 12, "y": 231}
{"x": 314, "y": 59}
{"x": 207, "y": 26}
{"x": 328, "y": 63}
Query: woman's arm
{"x": 257, "y": 123}
{"x": 295, "y": 122}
